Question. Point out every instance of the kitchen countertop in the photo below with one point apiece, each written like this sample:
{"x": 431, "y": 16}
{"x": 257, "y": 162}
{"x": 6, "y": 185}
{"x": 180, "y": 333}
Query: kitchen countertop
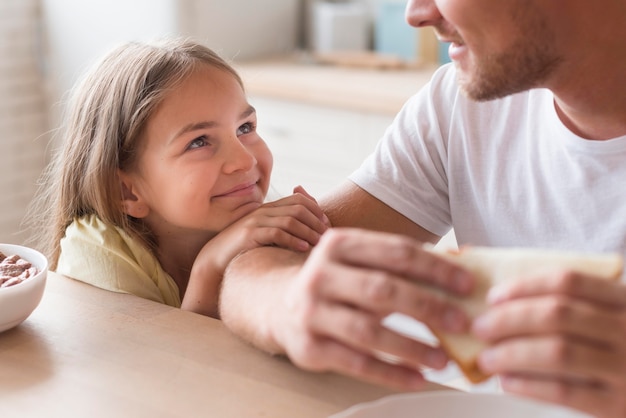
{"x": 377, "y": 90}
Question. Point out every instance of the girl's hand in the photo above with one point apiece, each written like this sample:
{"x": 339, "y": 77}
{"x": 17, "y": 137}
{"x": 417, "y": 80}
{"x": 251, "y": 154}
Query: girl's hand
{"x": 295, "y": 222}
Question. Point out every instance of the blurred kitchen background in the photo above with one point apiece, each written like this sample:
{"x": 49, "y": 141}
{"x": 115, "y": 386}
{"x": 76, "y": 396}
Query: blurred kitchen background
{"x": 326, "y": 77}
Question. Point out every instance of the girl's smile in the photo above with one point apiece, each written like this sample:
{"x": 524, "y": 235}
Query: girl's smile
{"x": 244, "y": 189}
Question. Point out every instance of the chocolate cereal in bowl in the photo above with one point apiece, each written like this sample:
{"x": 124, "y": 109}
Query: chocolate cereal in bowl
{"x": 23, "y": 273}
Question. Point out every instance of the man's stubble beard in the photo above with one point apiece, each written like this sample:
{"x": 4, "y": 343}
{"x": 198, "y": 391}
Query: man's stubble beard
{"x": 527, "y": 64}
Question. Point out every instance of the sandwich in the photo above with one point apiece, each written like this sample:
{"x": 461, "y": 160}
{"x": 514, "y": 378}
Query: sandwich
{"x": 491, "y": 266}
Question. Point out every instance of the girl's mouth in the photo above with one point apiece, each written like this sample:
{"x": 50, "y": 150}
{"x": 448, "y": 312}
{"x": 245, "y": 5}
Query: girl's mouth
{"x": 239, "y": 190}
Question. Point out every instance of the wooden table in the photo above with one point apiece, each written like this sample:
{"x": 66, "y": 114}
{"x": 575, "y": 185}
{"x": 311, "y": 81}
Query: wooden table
{"x": 86, "y": 352}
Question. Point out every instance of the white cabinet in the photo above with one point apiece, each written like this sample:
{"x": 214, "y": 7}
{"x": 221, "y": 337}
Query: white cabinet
{"x": 315, "y": 146}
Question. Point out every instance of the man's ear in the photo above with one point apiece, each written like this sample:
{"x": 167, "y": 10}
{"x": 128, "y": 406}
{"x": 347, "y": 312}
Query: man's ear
{"x": 132, "y": 202}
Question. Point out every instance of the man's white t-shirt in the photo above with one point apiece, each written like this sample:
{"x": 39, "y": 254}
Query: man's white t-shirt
{"x": 502, "y": 173}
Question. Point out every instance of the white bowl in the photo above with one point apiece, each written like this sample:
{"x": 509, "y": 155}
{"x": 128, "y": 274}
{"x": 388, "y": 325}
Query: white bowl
{"x": 17, "y": 302}
{"x": 452, "y": 404}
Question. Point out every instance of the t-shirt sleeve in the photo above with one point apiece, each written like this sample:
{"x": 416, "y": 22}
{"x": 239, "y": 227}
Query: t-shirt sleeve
{"x": 408, "y": 169}
{"x": 104, "y": 259}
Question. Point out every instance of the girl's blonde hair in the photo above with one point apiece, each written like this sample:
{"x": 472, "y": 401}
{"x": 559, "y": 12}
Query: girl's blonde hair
{"x": 105, "y": 118}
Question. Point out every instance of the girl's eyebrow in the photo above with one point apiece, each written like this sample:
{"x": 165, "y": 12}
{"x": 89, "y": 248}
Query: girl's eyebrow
{"x": 210, "y": 124}
{"x": 250, "y": 110}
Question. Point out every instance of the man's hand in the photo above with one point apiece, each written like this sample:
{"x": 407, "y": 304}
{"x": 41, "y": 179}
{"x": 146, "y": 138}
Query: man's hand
{"x": 560, "y": 338}
{"x": 329, "y": 317}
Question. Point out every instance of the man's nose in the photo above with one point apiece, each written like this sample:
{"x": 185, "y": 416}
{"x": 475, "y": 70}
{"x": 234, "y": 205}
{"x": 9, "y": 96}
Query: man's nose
{"x": 420, "y": 13}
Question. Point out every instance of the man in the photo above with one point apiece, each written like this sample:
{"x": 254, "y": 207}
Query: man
{"x": 521, "y": 142}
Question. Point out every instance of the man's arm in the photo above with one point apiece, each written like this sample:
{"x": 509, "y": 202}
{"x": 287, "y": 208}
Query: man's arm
{"x": 325, "y": 310}
{"x": 351, "y": 206}
{"x": 253, "y": 284}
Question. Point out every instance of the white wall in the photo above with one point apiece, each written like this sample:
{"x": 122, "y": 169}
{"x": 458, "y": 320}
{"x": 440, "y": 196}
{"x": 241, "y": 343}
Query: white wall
{"x": 22, "y": 114}
{"x": 76, "y": 32}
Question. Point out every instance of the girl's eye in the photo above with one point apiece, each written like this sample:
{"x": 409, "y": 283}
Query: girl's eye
{"x": 246, "y": 128}
{"x": 199, "y": 142}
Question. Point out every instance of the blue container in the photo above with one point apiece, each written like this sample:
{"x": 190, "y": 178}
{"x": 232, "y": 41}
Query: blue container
{"x": 392, "y": 34}
{"x": 443, "y": 52}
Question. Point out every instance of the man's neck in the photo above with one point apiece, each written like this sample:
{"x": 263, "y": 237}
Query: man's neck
{"x": 589, "y": 89}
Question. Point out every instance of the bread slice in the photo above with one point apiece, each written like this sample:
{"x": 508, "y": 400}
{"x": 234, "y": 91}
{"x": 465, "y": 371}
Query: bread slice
{"x": 495, "y": 265}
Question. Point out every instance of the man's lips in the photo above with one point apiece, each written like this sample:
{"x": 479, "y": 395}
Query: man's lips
{"x": 456, "y": 48}
{"x": 456, "y": 51}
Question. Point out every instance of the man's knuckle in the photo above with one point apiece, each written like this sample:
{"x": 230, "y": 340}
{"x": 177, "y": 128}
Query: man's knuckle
{"x": 405, "y": 255}
{"x": 358, "y": 365}
{"x": 562, "y": 393}
{"x": 288, "y": 223}
{"x": 559, "y": 351}
{"x": 558, "y": 311}
{"x": 431, "y": 307}
{"x": 380, "y": 288}
{"x": 566, "y": 281}
{"x": 363, "y": 330}
{"x": 331, "y": 240}
{"x": 305, "y": 354}
{"x": 313, "y": 281}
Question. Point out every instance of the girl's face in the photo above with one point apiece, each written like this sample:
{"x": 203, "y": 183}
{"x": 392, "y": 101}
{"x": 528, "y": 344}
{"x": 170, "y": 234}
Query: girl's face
{"x": 499, "y": 47}
{"x": 202, "y": 164}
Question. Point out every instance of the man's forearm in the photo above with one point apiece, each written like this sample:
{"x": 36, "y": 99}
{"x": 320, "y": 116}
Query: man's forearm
{"x": 253, "y": 283}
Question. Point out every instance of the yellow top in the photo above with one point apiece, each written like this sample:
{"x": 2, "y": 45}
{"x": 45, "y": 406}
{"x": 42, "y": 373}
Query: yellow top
{"x": 107, "y": 257}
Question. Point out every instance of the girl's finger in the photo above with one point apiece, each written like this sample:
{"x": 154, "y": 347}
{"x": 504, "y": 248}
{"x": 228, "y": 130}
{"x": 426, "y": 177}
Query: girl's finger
{"x": 300, "y": 199}
{"x": 283, "y": 239}
{"x": 299, "y": 189}
{"x": 295, "y": 219}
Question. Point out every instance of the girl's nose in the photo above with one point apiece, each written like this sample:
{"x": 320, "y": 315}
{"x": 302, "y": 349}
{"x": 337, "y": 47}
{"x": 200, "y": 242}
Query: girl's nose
{"x": 237, "y": 157}
{"x": 420, "y": 13}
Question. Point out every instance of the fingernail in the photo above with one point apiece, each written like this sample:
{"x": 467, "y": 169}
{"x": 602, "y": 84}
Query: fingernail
{"x": 325, "y": 220}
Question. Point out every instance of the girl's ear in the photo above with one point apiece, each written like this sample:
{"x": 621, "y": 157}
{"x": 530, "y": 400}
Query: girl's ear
{"x": 132, "y": 202}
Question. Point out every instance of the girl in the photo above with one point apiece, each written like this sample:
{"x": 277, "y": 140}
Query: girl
{"x": 161, "y": 179}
